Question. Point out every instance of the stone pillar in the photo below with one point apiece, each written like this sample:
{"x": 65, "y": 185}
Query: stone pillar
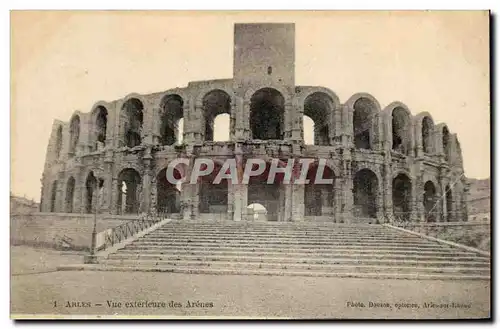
{"x": 387, "y": 193}
{"x": 338, "y": 191}
{"x": 298, "y": 203}
{"x": 245, "y": 124}
{"x": 60, "y": 192}
{"x": 79, "y": 192}
{"x": 347, "y": 127}
{"x": 146, "y": 182}
{"x": 240, "y": 191}
{"x": 347, "y": 197}
{"x": 287, "y": 193}
{"x": 106, "y": 207}
{"x": 190, "y": 194}
{"x": 237, "y": 116}
{"x": 419, "y": 148}
{"x": 380, "y": 203}
{"x": 296, "y": 113}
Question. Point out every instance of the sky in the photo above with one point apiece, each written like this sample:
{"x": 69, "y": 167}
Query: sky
{"x": 68, "y": 60}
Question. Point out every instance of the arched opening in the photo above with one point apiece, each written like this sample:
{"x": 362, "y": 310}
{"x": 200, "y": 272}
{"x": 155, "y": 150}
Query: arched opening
{"x": 131, "y": 119}
{"x": 270, "y": 196}
{"x": 58, "y": 145}
{"x": 427, "y": 133}
{"x": 100, "y": 126}
{"x": 257, "y": 212}
{"x": 129, "y": 191}
{"x": 319, "y": 198}
{"x": 446, "y": 144}
{"x": 213, "y": 197}
{"x": 74, "y": 134}
{"x": 267, "y": 107}
{"x": 401, "y": 128}
{"x": 308, "y": 125}
{"x": 449, "y": 204}
{"x": 365, "y": 194}
{"x": 215, "y": 102}
{"x": 90, "y": 188}
{"x": 319, "y": 107}
{"x": 70, "y": 191}
{"x": 53, "y": 196}
{"x": 171, "y": 120}
{"x": 221, "y": 127}
{"x": 430, "y": 202}
{"x": 401, "y": 197}
{"x": 168, "y": 195}
{"x": 364, "y": 114}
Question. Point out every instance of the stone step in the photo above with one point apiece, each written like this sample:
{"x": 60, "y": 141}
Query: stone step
{"x": 282, "y": 234}
{"x": 275, "y": 247}
{"x": 264, "y": 272}
{"x": 311, "y": 267}
{"x": 194, "y": 229}
{"x": 309, "y": 251}
{"x": 173, "y": 238}
{"x": 315, "y": 260}
{"x": 285, "y": 244}
{"x": 373, "y": 255}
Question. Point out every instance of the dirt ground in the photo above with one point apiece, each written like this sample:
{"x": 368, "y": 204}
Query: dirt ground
{"x": 38, "y": 290}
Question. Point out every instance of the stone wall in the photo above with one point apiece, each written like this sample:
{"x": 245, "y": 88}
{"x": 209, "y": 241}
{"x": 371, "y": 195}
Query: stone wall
{"x": 59, "y": 231}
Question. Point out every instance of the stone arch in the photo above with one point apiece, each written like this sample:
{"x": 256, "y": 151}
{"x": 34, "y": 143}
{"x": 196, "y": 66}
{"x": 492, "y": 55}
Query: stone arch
{"x": 214, "y": 103}
{"x": 129, "y": 191}
{"x": 426, "y": 132}
{"x": 365, "y": 193}
{"x": 366, "y": 110}
{"x": 399, "y": 123}
{"x": 58, "y": 143}
{"x": 306, "y": 91}
{"x": 271, "y": 196}
{"x": 53, "y": 196}
{"x": 171, "y": 118}
{"x": 445, "y": 141}
{"x": 70, "y": 195}
{"x": 74, "y": 134}
{"x": 168, "y": 195}
{"x": 319, "y": 107}
{"x": 430, "y": 201}
{"x": 131, "y": 121}
{"x": 90, "y": 189}
{"x": 402, "y": 196}
{"x": 267, "y": 114}
{"x": 99, "y": 126}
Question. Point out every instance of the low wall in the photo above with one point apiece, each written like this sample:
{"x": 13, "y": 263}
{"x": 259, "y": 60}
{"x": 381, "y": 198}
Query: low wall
{"x": 59, "y": 231}
{"x": 473, "y": 234}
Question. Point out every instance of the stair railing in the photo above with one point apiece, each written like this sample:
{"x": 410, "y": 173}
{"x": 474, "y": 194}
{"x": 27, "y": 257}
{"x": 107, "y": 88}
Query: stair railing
{"x": 130, "y": 228}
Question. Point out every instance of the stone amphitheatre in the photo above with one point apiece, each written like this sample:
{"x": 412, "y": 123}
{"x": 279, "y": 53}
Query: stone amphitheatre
{"x": 388, "y": 166}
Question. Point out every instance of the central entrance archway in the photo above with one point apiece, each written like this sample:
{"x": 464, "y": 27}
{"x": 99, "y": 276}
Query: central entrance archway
{"x": 270, "y": 196}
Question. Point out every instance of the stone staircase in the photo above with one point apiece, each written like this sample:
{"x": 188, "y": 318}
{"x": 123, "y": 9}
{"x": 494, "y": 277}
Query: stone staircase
{"x": 304, "y": 249}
